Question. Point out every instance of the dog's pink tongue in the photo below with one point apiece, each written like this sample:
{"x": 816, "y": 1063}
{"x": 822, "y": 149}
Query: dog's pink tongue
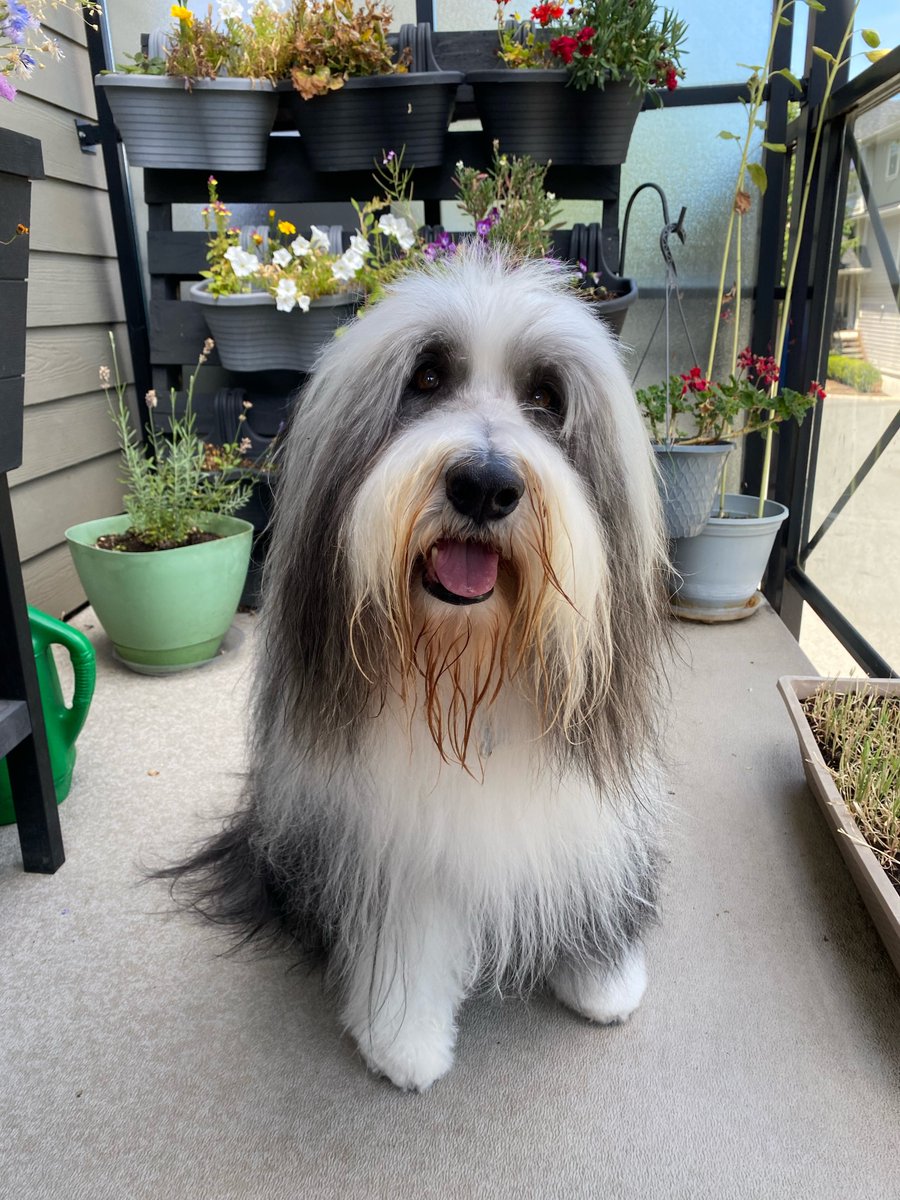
{"x": 466, "y": 568}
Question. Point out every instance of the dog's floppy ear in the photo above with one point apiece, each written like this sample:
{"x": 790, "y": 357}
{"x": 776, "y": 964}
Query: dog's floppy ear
{"x": 609, "y": 448}
{"x": 344, "y": 416}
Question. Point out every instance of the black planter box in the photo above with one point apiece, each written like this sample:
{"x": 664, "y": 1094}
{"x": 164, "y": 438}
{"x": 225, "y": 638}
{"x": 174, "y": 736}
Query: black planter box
{"x": 351, "y": 129}
{"x": 20, "y": 162}
{"x": 540, "y": 114}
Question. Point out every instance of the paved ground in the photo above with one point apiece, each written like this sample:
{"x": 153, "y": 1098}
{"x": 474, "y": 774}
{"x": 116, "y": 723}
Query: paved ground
{"x": 136, "y": 1064}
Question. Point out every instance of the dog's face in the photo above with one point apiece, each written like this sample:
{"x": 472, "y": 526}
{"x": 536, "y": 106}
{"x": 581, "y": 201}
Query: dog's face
{"x": 488, "y": 472}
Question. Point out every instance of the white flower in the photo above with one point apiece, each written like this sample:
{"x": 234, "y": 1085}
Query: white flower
{"x": 300, "y": 246}
{"x": 359, "y": 244}
{"x": 460, "y": 166}
{"x": 282, "y": 257}
{"x": 286, "y": 295}
{"x": 551, "y": 195}
{"x": 303, "y": 302}
{"x": 396, "y": 227}
{"x": 347, "y": 266}
{"x": 318, "y": 239}
{"x": 243, "y": 263}
{"x": 231, "y": 10}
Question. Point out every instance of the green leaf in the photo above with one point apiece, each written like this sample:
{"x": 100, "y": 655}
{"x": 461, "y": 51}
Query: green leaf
{"x": 875, "y": 56}
{"x": 775, "y": 147}
{"x": 823, "y": 54}
{"x": 728, "y": 137}
{"x": 754, "y": 67}
{"x": 758, "y": 174}
{"x": 760, "y": 124}
{"x": 815, "y": 5}
{"x": 871, "y": 38}
{"x": 790, "y": 77}
{"x": 783, "y": 21}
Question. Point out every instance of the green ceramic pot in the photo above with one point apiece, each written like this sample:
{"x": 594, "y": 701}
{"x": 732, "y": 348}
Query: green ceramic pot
{"x": 165, "y": 610}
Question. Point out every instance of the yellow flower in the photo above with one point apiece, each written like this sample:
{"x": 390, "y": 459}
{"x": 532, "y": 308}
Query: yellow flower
{"x": 286, "y": 227}
{"x": 271, "y": 213}
{"x": 257, "y": 238}
{"x": 180, "y": 13}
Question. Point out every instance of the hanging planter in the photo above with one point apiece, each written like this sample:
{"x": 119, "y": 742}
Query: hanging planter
{"x": 538, "y": 113}
{"x": 350, "y": 129}
{"x": 218, "y": 125}
{"x": 718, "y": 571}
{"x": 688, "y": 478}
{"x": 252, "y": 335}
{"x": 612, "y": 294}
{"x": 164, "y": 610}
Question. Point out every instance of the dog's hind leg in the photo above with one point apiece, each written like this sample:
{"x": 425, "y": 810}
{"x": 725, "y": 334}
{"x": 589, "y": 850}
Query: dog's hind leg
{"x": 403, "y": 992}
{"x": 602, "y": 993}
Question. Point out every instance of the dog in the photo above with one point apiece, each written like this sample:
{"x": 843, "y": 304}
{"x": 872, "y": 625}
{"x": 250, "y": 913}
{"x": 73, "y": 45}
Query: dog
{"x": 453, "y": 780}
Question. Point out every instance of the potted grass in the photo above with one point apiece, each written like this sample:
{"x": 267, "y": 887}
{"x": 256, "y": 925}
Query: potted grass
{"x": 849, "y": 734}
{"x": 165, "y": 578}
{"x": 353, "y": 92}
{"x": 203, "y": 95}
{"x": 573, "y": 79}
{"x": 273, "y": 297}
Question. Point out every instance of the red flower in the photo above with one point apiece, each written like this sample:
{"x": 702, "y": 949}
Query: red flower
{"x": 816, "y": 390}
{"x": 585, "y": 49}
{"x": 564, "y": 48}
{"x": 746, "y": 359}
{"x": 694, "y": 381}
{"x": 545, "y": 13}
{"x": 767, "y": 369}
{"x": 586, "y": 34}
{"x": 671, "y": 79}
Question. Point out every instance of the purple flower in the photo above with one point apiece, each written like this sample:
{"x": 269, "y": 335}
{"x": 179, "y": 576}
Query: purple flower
{"x": 7, "y": 91}
{"x": 442, "y": 247}
{"x": 483, "y": 228}
{"x": 18, "y": 20}
{"x": 389, "y": 157}
{"x": 582, "y": 265}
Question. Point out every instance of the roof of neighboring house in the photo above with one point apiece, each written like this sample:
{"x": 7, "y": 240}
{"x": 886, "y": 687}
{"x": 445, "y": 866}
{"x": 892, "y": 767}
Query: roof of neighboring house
{"x": 879, "y": 122}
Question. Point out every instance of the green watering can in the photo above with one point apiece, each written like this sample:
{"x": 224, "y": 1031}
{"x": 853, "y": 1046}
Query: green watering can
{"x": 63, "y": 724}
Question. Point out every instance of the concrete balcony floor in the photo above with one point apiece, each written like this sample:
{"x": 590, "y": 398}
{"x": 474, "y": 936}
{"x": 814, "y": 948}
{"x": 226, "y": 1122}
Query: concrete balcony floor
{"x": 764, "y": 1062}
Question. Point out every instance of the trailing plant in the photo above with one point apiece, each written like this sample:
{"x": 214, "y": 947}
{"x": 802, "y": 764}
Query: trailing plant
{"x": 24, "y": 41}
{"x": 695, "y": 411}
{"x": 294, "y": 269}
{"x": 169, "y": 489}
{"x": 859, "y": 735}
{"x": 334, "y": 41}
{"x": 597, "y": 41}
{"x": 508, "y": 203}
{"x": 854, "y": 372}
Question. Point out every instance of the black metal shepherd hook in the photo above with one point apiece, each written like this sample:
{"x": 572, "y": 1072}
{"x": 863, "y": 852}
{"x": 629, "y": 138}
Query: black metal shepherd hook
{"x": 670, "y": 229}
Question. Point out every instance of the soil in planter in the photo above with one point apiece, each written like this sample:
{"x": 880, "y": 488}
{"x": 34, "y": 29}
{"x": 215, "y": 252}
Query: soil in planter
{"x": 600, "y": 293}
{"x": 130, "y": 543}
{"x": 877, "y": 730}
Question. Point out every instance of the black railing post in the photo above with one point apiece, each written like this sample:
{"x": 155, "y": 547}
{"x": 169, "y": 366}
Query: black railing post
{"x": 121, "y": 204}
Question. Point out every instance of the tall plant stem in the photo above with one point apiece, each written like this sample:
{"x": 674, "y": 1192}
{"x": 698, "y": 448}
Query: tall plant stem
{"x": 784, "y": 320}
{"x": 757, "y": 92}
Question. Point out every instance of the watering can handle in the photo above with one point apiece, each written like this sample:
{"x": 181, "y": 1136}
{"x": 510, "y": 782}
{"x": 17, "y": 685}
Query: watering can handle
{"x": 84, "y": 667}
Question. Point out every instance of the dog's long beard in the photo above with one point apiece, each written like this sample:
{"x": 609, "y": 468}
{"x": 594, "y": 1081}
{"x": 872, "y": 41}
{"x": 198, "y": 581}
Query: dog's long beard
{"x": 451, "y": 663}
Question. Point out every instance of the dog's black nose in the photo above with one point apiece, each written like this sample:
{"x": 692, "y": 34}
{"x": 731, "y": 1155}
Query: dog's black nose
{"x": 484, "y": 489}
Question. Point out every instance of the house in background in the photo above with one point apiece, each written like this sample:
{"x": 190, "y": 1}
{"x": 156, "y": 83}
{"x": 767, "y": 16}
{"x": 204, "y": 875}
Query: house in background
{"x": 867, "y": 319}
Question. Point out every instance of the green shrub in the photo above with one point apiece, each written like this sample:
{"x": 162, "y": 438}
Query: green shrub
{"x": 854, "y": 373}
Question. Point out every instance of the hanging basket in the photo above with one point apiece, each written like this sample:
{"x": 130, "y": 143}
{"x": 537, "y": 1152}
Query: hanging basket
{"x": 688, "y": 477}
{"x": 539, "y": 113}
{"x": 219, "y": 125}
{"x": 252, "y": 335}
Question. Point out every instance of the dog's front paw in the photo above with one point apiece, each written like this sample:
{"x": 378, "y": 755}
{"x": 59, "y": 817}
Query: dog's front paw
{"x": 607, "y": 995}
{"x": 413, "y": 1058}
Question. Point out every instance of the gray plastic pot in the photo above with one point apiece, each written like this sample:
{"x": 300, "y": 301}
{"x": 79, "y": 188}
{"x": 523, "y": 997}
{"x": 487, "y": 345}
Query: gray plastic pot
{"x": 718, "y": 572}
{"x": 219, "y": 125}
{"x": 252, "y": 335}
{"x": 688, "y": 478}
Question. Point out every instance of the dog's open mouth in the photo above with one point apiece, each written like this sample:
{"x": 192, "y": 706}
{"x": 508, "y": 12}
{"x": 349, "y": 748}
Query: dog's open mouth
{"x": 460, "y": 572}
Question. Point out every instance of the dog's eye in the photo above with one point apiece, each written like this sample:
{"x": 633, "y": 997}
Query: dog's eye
{"x": 542, "y": 395}
{"x": 427, "y": 379}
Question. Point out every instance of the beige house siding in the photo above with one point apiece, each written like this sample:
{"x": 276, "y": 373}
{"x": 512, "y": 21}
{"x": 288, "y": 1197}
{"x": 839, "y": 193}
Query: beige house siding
{"x": 70, "y": 467}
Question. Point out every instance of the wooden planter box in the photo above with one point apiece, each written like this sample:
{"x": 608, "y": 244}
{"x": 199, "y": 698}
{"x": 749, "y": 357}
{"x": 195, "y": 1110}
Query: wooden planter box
{"x": 878, "y": 893}
{"x": 20, "y": 162}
